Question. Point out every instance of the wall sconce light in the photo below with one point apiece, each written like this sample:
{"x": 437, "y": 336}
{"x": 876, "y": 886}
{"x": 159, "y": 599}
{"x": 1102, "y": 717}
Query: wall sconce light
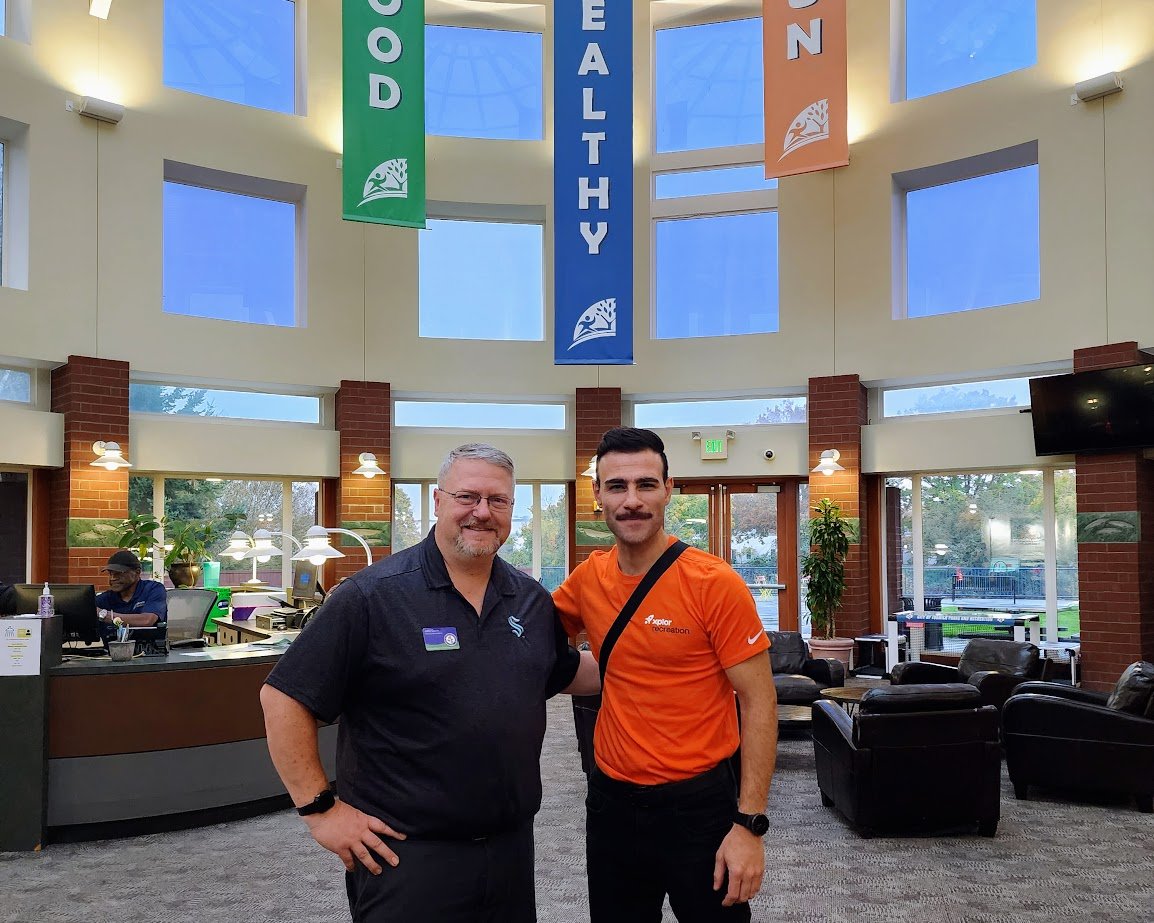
{"x": 100, "y": 109}
{"x": 318, "y": 549}
{"x": 369, "y": 467}
{"x": 99, "y": 8}
{"x": 591, "y": 473}
{"x": 1096, "y": 88}
{"x": 828, "y": 464}
{"x": 109, "y": 457}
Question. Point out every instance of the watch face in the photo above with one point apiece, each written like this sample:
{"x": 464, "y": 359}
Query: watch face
{"x": 759, "y": 824}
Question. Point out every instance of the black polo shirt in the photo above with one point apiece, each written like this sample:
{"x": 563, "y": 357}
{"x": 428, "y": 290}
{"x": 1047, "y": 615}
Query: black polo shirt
{"x": 442, "y": 713}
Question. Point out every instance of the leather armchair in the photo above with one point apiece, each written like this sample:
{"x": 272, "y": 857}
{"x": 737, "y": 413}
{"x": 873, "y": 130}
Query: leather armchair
{"x": 798, "y": 677}
{"x": 1063, "y": 737}
{"x": 914, "y": 758}
{"x": 996, "y": 668}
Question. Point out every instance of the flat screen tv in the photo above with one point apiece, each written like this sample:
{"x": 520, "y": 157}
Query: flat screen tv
{"x": 75, "y": 602}
{"x": 1103, "y": 411}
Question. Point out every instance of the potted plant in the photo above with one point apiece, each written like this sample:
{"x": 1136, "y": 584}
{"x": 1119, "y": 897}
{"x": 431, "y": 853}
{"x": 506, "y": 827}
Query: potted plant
{"x": 824, "y": 572}
{"x": 186, "y": 543}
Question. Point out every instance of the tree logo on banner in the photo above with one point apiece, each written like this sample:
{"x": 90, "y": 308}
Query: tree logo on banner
{"x": 811, "y": 124}
{"x": 599, "y": 320}
{"x": 389, "y": 180}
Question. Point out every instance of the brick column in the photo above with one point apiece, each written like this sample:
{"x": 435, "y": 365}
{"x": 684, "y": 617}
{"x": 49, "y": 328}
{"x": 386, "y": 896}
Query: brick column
{"x": 84, "y": 501}
{"x": 1115, "y": 579}
{"x": 837, "y": 412}
{"x": 364, "y": 414}
{"x": 598, "y": 410}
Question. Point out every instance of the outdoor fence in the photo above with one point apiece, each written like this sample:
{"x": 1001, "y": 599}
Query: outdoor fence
{"x": 983, "y": 583}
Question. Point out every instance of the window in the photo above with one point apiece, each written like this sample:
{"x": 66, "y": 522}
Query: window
{"x": 482, "y": 280}
{"x": 467, "y": 415}
{"x": 229, "y": 256}
{"x": 735, "y": 412}
{"x": 483, "y": 83}
{"x": 973, "y": 395}
{"x": 713, "y": 181}
{"x": 3, "y": 19}
{"x": 952, "y": 43}
{"x": 14, "y": 196}
{"x": 2, "y": 153}
{"x": 708, "y": 83}
{"x": 15, "y": 385}
{"x": 972, "y": 233}
{"x": 209, "y": 402}
{"x": 716, "y": 275}
{"x": 241, "y": 51}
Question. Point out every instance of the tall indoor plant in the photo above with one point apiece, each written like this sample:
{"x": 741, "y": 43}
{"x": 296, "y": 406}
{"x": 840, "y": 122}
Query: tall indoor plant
{"x": 186, "y": 543}
{"x": 824, "y": 572}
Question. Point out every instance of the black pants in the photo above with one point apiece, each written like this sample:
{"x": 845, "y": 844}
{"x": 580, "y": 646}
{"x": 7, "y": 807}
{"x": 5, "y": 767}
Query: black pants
{"x": 487, "y": 880}
{"x": 646, "y": 841}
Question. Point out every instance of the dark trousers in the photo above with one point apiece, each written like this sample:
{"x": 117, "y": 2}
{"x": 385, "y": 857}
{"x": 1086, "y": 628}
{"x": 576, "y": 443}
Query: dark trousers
{"x": 487, "y": 880}
{"x": 646, "y": 841}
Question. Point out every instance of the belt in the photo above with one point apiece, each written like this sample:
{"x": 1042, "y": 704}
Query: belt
{"x": 663, "y": 791}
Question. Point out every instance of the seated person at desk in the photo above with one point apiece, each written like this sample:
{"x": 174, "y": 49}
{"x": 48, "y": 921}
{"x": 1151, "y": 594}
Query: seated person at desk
{"x": 138, "y": 603}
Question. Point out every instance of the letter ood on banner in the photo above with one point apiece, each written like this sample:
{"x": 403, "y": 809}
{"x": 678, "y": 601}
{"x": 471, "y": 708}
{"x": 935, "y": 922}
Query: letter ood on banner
{"x": 383, "y": 162}
{"x": 593, "y": 182}
{"x": 805, "y": 86}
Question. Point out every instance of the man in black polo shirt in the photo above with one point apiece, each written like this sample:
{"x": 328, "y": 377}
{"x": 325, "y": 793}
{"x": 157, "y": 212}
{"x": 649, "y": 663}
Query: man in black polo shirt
{"x": 438, "y": 661}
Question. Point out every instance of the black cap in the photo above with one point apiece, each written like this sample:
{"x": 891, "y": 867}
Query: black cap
{"x": 121, "y": 561}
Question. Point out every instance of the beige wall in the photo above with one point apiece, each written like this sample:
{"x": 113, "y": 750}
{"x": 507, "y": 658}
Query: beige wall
{"x": 95, "y": 236}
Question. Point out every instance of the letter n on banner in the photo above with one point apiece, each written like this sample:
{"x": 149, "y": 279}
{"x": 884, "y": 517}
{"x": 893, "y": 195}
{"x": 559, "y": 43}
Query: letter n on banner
{"x": 383, "y": 163}
{"x": 805, "y": 86}
{"x": 593, "y": 182}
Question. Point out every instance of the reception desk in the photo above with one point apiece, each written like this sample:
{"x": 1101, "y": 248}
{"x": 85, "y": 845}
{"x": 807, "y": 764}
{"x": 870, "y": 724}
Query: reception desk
{"x": 155, "y": 743}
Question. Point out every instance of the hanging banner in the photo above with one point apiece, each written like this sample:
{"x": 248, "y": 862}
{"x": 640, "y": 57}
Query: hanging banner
{"x": 805, "y": 86}
{"x": 593, "y": 182}
{"x": 383, "y": 163}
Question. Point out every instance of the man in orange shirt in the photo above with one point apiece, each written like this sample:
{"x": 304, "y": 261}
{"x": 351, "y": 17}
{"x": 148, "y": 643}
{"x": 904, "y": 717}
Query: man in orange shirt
{"x": 666, "y": 813}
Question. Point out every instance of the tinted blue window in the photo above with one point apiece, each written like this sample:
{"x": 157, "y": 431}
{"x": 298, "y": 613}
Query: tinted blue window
{"x": 466, "y": 414}
{"x": 728, "y": 412}
{"x": 482, "y": 83}
{"x": 977, "y": 395}
{"x": 973, "y": 243}
{"x": 15, "y": 385}
{"x": 708, "y": 86}
{"x": 191, "y": 401}
{"x": 242, "y": 51}
{"x": 3, "y": 19}
{"x": 952, "y": 43}
{"x": 717, "y": 276}
{"x": 229, "y": 256}
{"x": 712, "y": 182}
{"x": 482, "y": 280}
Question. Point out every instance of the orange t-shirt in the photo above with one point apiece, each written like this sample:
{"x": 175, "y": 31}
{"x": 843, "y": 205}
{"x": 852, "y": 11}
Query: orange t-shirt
{"x": 667, "y": 710}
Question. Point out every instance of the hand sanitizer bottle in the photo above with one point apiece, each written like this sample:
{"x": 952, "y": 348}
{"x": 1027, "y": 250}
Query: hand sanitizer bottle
{"x": 47, "y": 604}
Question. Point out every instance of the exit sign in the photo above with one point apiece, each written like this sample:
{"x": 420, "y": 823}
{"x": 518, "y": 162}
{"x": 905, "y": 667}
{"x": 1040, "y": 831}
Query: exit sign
{"x": 714, "y": 448}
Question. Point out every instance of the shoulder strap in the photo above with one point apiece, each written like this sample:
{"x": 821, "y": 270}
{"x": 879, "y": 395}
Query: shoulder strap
{"x": 660, "y": 566}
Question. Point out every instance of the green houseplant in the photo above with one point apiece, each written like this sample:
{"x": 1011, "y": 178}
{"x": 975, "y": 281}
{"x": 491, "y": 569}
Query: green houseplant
{"x": 186, "y": 543}
{"x": 824, "y": 572}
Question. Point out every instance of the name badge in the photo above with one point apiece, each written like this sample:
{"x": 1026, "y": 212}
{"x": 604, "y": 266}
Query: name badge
{"x": 441, "y": 639}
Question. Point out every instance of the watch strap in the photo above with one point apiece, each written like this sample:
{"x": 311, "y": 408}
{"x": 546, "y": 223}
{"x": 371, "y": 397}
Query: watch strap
{"x": 757, "y": 824}
{"x": 321, "y": 803}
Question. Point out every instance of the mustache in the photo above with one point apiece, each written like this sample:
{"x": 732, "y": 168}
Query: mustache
{"x": 626, "y": 517}
{"x": 477, "y": 524}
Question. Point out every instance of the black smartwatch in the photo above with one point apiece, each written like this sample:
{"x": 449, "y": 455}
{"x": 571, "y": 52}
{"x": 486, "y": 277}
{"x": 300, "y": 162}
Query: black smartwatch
{"x": 757, "y": 824}
{"x": 318, "y": 805}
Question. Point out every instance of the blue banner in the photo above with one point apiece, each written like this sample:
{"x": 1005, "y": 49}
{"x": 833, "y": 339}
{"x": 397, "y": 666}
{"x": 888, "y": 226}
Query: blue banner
{"x": 593, "y": 182}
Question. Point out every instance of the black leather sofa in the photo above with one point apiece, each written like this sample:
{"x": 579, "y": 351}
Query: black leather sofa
{"x": 913, "y": 759}
{"x": 995, "y": 668}
{"x": 1065, "y": 738}
{"x": 798, "y": 677}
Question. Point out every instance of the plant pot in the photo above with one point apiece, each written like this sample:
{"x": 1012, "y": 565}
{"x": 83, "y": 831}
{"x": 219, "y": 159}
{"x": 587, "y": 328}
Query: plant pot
{"x": 832, "y": 648}
{"x": 184, "y": 575}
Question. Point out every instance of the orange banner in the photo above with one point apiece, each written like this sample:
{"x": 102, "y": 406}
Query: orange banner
{"x": 805, "y": 86}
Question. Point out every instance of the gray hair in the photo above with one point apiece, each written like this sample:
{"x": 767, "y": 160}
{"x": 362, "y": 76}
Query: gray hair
{"x": 478, "y": 451}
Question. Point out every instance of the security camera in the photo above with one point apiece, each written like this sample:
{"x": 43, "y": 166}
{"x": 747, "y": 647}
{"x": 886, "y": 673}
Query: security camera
{"x": 769, "y": 454}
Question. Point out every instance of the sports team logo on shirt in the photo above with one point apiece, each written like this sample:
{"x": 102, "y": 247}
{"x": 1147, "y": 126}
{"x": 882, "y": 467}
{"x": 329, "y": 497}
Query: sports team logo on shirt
{"x": 515, "y": 626}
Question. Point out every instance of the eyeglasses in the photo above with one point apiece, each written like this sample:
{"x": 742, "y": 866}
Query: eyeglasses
{"x": 471, "y": 500}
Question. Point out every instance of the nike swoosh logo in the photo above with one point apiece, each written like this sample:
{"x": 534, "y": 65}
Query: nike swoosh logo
{"x": 760, "y": 634}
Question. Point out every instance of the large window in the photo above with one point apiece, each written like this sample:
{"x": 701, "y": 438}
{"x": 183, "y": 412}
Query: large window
{"x": 144, "y": 397}
{"x": 482, "y": 280}
{"x": 229, "y": 256}
{"x": 1005, "y": 393}
{"x": 952, "y": 43}
{"x": 537, "y": 543}
{"x": 972, "y": 234}
{"x": 241, "y": 51}
{"x": 483, "y": 83}
{"x": 15, "y": 385}
{"x": 3, "y": 151}
{"x": 476, "y": 415}
{"x": 729, "y": 412}
{"x": 708, "y": 86}
{"x": 14, "y": 194}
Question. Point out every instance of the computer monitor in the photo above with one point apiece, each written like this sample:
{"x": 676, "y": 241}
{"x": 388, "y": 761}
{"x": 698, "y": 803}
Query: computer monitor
{"x": 76, "y": 602}
{"x": 305, "y": 583}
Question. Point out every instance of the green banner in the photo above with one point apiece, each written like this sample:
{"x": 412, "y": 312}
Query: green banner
{"x": 384, "y": 112}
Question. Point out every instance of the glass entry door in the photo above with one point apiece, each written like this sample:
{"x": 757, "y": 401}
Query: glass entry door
{"x": 745, "y": 524}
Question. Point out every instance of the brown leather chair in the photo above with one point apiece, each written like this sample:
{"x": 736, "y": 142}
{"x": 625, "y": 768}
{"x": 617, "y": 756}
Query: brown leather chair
{"x": 994, "y": 667}
{"x": 913, "y": 759}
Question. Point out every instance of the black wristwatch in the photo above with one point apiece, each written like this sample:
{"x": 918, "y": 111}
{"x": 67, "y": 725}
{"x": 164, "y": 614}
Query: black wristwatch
{"x": 318, "y": 805}
{"x": 757, "y": 824}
